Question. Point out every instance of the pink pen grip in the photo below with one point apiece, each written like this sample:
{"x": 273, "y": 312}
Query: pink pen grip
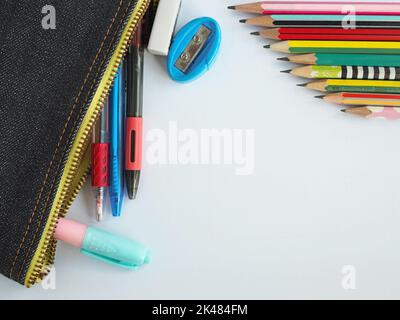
{"x": 134, "y": 136}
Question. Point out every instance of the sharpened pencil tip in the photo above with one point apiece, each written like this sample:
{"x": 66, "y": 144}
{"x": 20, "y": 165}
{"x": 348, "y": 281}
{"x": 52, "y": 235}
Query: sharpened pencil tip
{"x": 286, "y": 71}
{"x": 242, "y": 20}
{"x": 256, "y": 33}
{"x": 232, "y": 7}
{"x": 320, "y": 97}
{"x": 343, "y": 110}
{"x": 268, "y": 46}
{"x": 283, "y": 59}
{"x": 302, "y": 84}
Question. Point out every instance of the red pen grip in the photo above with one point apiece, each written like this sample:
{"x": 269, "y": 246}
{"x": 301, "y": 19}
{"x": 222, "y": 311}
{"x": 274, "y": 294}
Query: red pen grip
{"x": 134, "y": 136}
{"x": 100, "y": 165}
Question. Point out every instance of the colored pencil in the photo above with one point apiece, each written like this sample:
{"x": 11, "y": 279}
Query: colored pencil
{"x": 346, "y": 72}
{"x": 277, "y": 34}
{"x": 371, "y": 112}
{"x": 362, "y": 99}
{"x": 326, "y": 31}
{"x": 304, "y": 46}
{"x": 327, "y": 59}
{"x": 322, "y": 7}
{"x": 323, "y": 21}
{"x": 371, "y": 86}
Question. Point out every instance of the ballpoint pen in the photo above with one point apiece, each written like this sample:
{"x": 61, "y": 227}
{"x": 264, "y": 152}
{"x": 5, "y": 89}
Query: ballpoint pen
{"x": 103, "y": 245}
{"x": 134, "y": 112}
{"x": 100, "y": 161}
{"x": 116, "y": 117}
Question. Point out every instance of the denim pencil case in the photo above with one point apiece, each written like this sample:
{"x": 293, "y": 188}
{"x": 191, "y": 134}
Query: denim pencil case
{"x": 55, "y": 77}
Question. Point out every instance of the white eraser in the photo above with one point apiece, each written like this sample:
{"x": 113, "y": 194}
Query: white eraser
{"x": 163, "y": 27}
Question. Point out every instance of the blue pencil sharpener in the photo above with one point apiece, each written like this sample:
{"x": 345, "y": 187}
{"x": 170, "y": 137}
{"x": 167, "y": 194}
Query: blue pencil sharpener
{"x": 194, "y": 49}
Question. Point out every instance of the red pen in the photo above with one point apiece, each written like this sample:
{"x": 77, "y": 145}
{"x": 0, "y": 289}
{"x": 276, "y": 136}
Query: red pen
{"x": 100, "y": 161}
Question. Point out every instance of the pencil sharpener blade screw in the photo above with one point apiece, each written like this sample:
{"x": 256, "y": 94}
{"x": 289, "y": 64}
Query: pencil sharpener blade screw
{"x": 197, "y": 39}
{"x": 185, "y": 57}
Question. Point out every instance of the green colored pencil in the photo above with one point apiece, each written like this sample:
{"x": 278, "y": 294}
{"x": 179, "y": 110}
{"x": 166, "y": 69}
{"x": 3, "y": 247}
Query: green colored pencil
{"x": 327, "y": 59}
{"x": 338, "y": 85}
{"x": 312, "y": 46}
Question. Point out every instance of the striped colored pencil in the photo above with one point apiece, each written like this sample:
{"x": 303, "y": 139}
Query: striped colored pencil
{"x": 328, "y": 59}
{"x": 323, "y": 21}
{"x": 304, "y": 46}
{"x": 363, "y": 99}
{"x": 346, "y": 72}
{"x": 371, "y": 112}
{"x": 321, "y": 7}
{"x": 365, "y": 86}
{"x": 277, "y": 34}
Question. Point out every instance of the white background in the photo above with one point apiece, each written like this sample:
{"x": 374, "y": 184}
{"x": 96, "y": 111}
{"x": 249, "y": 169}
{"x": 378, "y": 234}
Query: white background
{"x": 324, "y": 194}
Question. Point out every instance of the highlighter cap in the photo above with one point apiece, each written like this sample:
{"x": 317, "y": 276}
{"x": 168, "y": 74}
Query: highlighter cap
{"x": 114, "y": 250}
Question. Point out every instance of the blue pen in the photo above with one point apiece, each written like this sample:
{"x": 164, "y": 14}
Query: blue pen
{"x": 117, "y": 112}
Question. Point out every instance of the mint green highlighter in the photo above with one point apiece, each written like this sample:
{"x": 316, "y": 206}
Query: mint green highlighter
{"x": 103, "y": 245}
{"x": 115, "y": 250}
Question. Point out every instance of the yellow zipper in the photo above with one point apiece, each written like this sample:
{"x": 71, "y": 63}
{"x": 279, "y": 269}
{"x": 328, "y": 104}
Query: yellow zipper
{"x": 76, "y": 167}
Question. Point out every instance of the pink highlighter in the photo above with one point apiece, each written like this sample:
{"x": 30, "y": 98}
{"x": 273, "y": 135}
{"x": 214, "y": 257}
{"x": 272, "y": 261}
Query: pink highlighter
{"x": 103, "y": 245}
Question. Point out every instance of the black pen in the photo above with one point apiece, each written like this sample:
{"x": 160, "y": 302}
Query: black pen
{"x": 134, "y": 113}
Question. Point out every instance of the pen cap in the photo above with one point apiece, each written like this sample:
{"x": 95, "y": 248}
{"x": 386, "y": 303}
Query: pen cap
{"x": 114, "y": 249}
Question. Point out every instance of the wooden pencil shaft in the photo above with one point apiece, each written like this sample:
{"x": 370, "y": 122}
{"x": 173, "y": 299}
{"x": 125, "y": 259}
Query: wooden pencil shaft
{"x": 328, "y": 59}
{"x": 336, "y": 31}
{"x": 363, "y": 102}
{"x": 360, "y": 111}
{"x": 328, "y": 37}
{"x": 370, "y": 112}
{"x": 365, "y": 86}
{"x": 285, "y": 7}
{"x": 324, "y": 21}
{"x": 367, "y": 47}
{"x": 330, "y": 17}
{"x": 348, "y": 98}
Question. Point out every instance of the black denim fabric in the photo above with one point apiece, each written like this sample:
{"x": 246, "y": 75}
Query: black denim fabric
{"x": 47, "y": 80}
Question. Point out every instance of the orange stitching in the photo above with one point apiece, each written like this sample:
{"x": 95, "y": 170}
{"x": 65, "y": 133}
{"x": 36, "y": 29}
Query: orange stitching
{"x": 48, "y": 197}
{"x": 86, "y": 99}
{"x": 62, "y": 136}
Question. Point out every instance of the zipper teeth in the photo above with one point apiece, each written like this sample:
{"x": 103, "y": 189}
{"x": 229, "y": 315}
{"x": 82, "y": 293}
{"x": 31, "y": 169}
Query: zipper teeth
{"x": 74, "y": 194}
{"x": 47, "y": 252}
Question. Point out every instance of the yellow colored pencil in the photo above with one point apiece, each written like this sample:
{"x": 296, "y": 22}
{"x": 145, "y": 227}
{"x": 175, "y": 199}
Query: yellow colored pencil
{"x": 362, "y": 99}
{"x": 365, "y": 86}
